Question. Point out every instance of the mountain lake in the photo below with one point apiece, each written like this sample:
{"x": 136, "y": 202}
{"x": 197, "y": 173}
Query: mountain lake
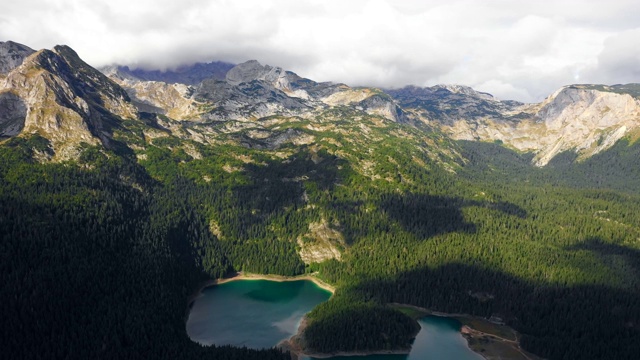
{"x": 261, "y": 313}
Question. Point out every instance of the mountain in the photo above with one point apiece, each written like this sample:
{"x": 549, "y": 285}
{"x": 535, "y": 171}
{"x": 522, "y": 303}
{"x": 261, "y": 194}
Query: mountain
{"x": 11, "y": 56}
{"x": 55, "y": 94}
{"x": 120, "y": 197}
{"x": 248, "y": 92}
{"x": 186, "y": 74}
{"x": 12, "y": 108}
{"x": 585, "y": 119}
{"x": 449, "y": 104}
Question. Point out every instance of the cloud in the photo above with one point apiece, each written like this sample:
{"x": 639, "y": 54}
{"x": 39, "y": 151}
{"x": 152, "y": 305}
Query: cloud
{"x": 619, "y": 61}
{"x": 515, "y": 49}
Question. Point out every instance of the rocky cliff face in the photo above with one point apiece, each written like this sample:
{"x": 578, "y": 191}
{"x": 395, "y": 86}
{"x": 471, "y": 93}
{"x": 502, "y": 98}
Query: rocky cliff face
{"x": 12, "y": 55}
{"x": 55, "y": 94}
{"x": 249, "y": 91}
{"x": 249, "y": 100}
{"x": 13, "y": 109}
{"x": 13, "y": 112}
{"x": 582, "y": 118}
{"x": 188, "y": 74}
{"x": 448, "y": 104}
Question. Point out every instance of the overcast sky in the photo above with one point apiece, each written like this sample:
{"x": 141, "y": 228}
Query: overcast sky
{"x": 514, "y": 49}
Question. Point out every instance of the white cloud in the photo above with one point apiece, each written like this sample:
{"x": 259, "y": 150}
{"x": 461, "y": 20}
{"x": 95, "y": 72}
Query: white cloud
{"x": 619, "y": 61}
{"x": 516, "y": 49}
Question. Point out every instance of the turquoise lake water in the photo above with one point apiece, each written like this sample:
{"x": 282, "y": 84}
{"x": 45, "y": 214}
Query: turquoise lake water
{"x": 252, "y": 313}
{"x": 261, "y": 313}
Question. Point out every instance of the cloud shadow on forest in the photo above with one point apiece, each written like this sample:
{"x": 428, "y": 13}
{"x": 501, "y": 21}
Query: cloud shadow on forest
{"x": 277, "y": 185}
{"x": 621, "y": 259}
{"x": 554, "y": 321}
{"x": 429, "y": 215}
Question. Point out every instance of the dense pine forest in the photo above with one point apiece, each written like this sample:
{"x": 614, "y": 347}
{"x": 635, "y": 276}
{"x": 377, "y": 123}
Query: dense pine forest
{"x": 94, "y": 266}
{"x": 100, "y": 255}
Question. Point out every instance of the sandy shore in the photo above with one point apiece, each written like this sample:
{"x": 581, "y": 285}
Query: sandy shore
{"x": 279, "y": 278}
{"x": 247, "y": 276}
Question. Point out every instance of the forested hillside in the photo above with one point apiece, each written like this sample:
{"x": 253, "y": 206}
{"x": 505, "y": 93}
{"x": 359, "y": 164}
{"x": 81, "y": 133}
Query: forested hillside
{"x": 98, "y": 261}
{"x": 102, "y": 254}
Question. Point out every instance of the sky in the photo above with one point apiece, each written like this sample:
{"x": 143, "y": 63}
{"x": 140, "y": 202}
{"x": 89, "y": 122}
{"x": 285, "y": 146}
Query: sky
{"x": 513, "y": 49}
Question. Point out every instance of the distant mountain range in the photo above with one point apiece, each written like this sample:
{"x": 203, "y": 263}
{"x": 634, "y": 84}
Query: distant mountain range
{"x": 80, "y": 102}
{"x": 188, "y": 74}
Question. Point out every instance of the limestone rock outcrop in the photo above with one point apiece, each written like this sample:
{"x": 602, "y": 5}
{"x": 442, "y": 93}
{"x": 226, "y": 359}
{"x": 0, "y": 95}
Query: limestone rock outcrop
{"x": 53, "y": 93}
{"x": 12, "y": 55}
{"x": 585, "y": 119}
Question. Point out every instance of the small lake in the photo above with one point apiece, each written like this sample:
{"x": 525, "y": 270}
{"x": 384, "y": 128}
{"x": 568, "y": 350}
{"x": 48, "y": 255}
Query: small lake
{"x": 261, "y": 313}
{"x": 252, "y": 313}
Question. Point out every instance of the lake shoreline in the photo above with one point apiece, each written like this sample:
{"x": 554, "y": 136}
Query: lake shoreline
{"x": 249, "y": 276}
{"x": 278, "y": 278}
{"x": 491, "y": 344}
{"x": 476, "y": 339}
{"x": 297, "y": 351}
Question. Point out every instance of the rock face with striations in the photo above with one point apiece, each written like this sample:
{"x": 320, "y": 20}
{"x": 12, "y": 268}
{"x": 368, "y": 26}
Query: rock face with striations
{"x": 253, "y": 70}
{"x": 55, "y": 94}
{"x": 585, "y": 119}
{"x": 13, "y": 112}
{"x": 247, "y": 92}
{"x": 12, "y": 55}
{"x": 158, "y": 97}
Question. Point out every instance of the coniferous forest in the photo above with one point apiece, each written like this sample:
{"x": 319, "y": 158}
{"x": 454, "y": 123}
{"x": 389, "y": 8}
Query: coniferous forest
{"x": 100, "y": 255}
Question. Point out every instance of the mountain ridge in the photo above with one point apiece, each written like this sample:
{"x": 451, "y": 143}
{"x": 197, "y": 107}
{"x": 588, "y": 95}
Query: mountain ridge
{"x": 585, "y": 119}
{"x": 55, "y": 94}
{"x": 186, "y": 74}
{"x": 557, "y": 124}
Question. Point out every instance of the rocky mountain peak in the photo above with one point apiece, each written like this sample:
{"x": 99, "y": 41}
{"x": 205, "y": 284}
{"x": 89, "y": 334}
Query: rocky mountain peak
{"x": 588, "y": 108}
{"x": 12, "y": 55}
{"x": 245, "y": 72}
{"x": 85, "y": 81}
{"x": 441, "y": 91}
{"x": 450, "y": 104}
{"x": 57, "y": 95}
{"x": 463, "y": 90}
{"x": 54, "y": 92}
{"x": 253, "y": 70}
{"x": 119, "y": 73}
{"x": 586, "y": 119}
{"x": 187, "y": 74}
